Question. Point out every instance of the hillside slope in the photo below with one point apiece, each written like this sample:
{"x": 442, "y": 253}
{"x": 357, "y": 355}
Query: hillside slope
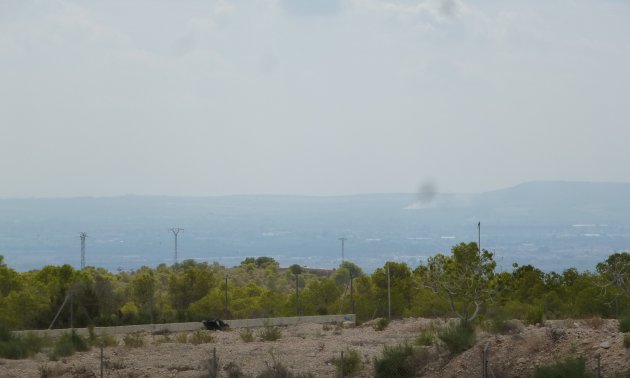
{"x": 309, "y": 348}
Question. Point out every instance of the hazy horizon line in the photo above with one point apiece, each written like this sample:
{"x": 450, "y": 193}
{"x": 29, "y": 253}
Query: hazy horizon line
{"x": 337, "y": 195}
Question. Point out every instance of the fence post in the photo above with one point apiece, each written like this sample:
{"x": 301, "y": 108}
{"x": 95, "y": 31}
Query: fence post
{"x": 216, "y": 364}
{"x": 483, "y": 362}
{"x": 599, "y": 365}
{"x": 341, "y": 364}
{"x": 101, "y": 360}
{"x": 484, "y": 366}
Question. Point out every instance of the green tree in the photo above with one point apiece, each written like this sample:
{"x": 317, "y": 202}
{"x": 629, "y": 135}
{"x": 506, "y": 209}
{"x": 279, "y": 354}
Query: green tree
{"x": 365, "y": 298}
{"x": 465, "y": 279}
{"x": 24, "y": 309}
{"x": 211, "y": 306}
{"x": 401, "y": 287}
{"x": 57, "y": 284}
{"x": 319, "y": 297}
{"x": 107, "y": 290}
{"x": 345, "y": 275}
{"x": 527, "y": 284}
{"x": 8, "y": 278}
{"x": 614, "y": 281}
{"x": 189, "y": 282}
{"x": 259, "y": 262}
{"x": 425, "y": 302}
{"x": 143, "y": 290}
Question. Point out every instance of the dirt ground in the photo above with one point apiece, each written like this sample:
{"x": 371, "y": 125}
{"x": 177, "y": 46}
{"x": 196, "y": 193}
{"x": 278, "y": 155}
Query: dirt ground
{"x": 309, "y": 348}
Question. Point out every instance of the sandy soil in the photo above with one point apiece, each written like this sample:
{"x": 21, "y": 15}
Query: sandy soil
{"x": 311, "y": 347}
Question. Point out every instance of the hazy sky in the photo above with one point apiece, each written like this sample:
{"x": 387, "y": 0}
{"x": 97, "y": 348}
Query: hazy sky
{"x": 310, "y": 97}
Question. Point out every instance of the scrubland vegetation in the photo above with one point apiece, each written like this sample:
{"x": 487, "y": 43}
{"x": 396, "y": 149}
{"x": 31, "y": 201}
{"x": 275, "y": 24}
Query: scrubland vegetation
{"x": 463, "y": 284}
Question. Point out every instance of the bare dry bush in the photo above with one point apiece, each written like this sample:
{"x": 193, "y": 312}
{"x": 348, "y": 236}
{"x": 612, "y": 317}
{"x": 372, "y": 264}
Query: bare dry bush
{"x": 555, "y": 334}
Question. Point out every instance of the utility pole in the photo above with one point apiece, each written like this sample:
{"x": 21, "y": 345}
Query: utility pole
{"x": 343, "y": 241}
{"x": 389, "y": 295}
{"x": 82, "y": 235}
{"x": 71, "y": 309}
{"x": 297, "y": 296}
{"x": 479, "y": 235}
{"x": 351, "y": 297}
{"x": 175, "y": 231}
{"x": 225, "y": 313}
{"x": 296, "y": 270}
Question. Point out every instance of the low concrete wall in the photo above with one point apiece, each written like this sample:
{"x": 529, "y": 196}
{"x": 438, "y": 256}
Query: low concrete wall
{"x": 186, "y": 327}
{"x": 321, "y": 319}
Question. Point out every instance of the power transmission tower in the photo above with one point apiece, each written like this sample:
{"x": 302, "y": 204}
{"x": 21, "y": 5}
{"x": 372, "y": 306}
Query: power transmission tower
{"x": 83, "y": 235}
{"x": 175, "y": 231}
{"x": 343, "y": 243}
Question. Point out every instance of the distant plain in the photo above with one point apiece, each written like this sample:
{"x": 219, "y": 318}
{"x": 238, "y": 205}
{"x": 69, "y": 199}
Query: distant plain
{"x": 551, "y": 225}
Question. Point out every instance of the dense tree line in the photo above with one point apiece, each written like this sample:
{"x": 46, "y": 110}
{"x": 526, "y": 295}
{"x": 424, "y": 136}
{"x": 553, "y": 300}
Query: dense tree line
{"x": 464, "y": 284}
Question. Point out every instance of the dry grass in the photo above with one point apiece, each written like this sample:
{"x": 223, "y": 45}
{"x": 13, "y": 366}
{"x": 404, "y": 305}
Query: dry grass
{"x": 269, "y": 333}
{"x": 247, "y": 335}
{"x": 162, "y": 339}
{"x": 133, "y": 340}
{"x": 201, "y": 337}
{"x": 181, "y": 338}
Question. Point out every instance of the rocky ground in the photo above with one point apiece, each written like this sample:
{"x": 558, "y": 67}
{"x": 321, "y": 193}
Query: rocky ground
{"x": 310, "y": 348}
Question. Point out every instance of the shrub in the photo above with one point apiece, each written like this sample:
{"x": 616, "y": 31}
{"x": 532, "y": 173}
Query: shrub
{"x": 181, "y": 338}
{"x": 270, "y": 333}
{"x": 68, "y": 344}
{"x": 351, "y": 363}
{"x": 535, "y": 316}
{"x": 399, "y": 361}
{"x": 380, "y": 324}
{"x": 624, "y": 324}
{"x": 426, "y": 338}
{"x": 458, "y": 338}
{"x": 232, "y": 370}
{"x": 514, "y": 310}
{"x": 133, "y": 340}
{"x": 104, "y": 340}
{"x": 504, "y": 326}
{"x": 201, "y": 337}
{"x": 569, "y": 368}
{"x": 555, "y": 334}
{"x": 17, "y": 347}
{"x": 5, "y": 333}
{"x": 32, "y": 342}
{"x": 247, "y": 335}
{"x": 626, "y": 340}
{"x": 338, "y": 329}
{"x": 116, "y": 364}
{"x": 277, "y": 370}
{"x": 44, "y": 370}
